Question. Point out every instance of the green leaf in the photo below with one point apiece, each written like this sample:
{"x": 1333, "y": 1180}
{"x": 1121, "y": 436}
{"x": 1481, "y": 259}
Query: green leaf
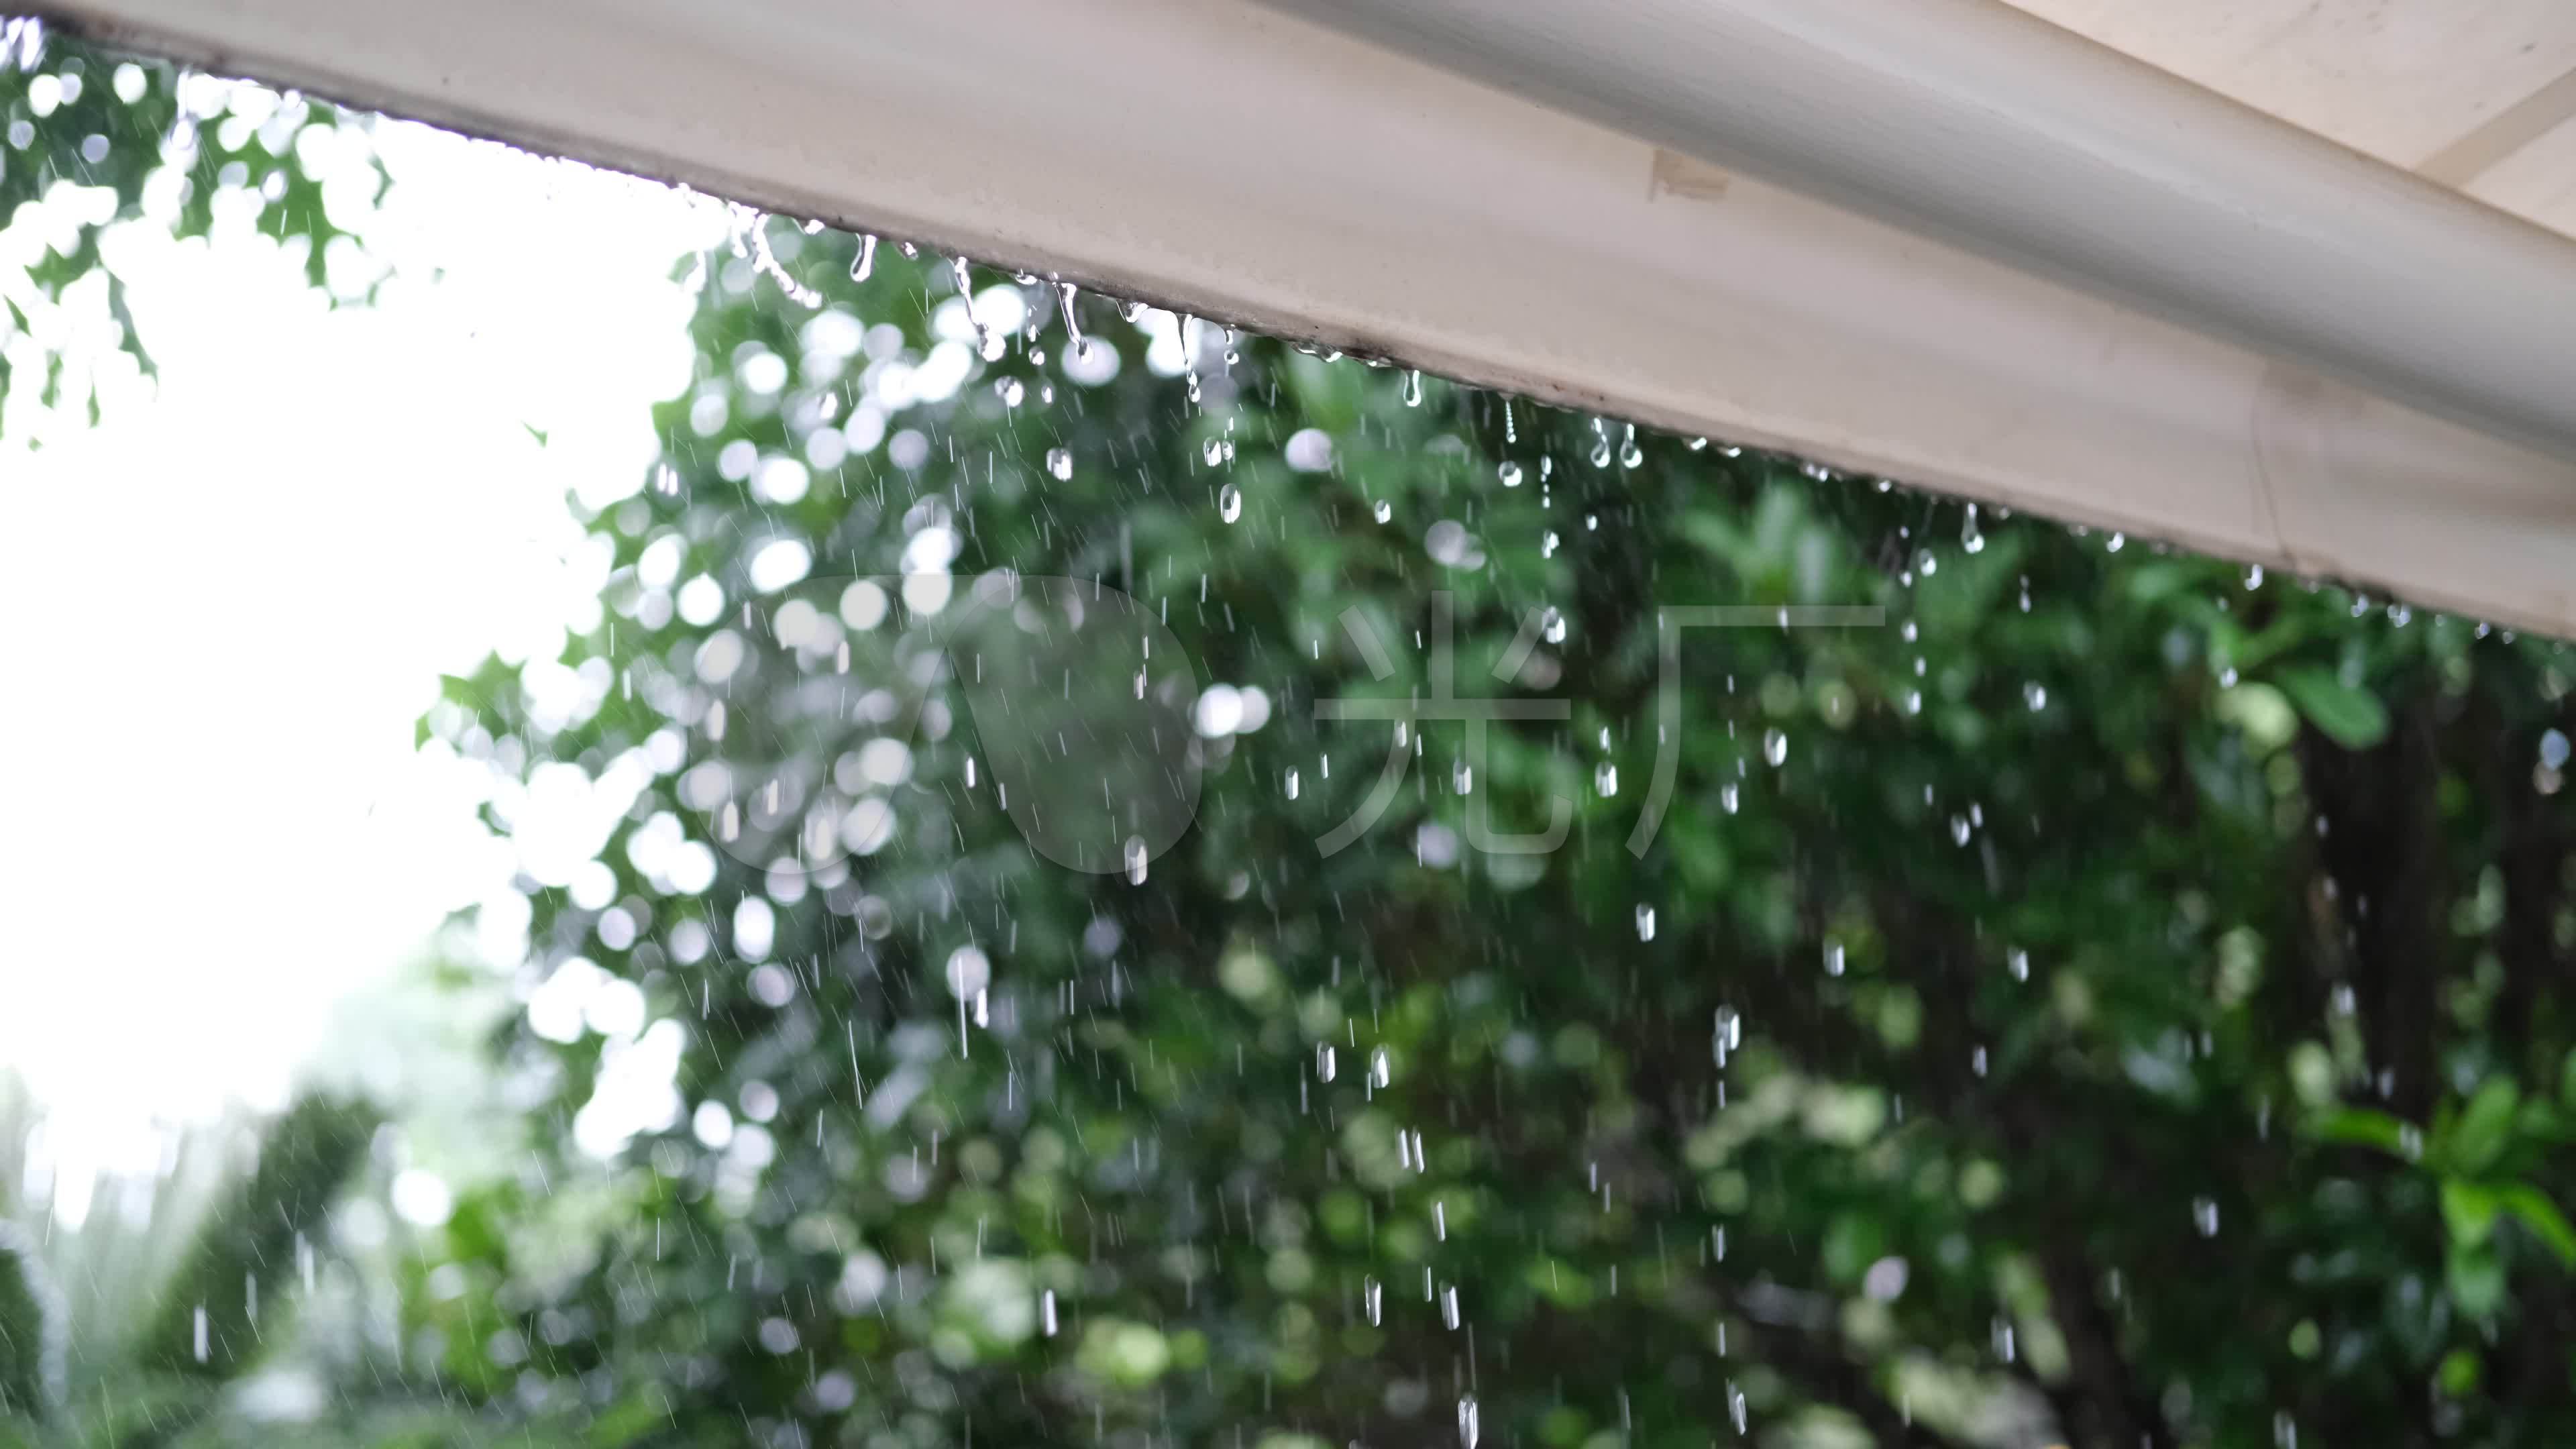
{"x": 2360, "y": 1127}
{"x": 2476, "y": 1276}
{"x": 2261, "y": 712}
{"x": 2473, "y": 1144}
{"x": 31, "y": 1350}
{"x": 2352, "y": 718}
{"x": 2535, "y": 1211}
{"x": 2469, "y": 1209}
{"x": 210, "y": 1319}
{"x": 2458, "y": 1374}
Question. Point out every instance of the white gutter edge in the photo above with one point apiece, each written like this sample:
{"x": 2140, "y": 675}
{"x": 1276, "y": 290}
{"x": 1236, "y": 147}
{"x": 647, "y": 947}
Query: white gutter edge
{"x": 1976, "y": 121}
{"x": 1242, "y": 164}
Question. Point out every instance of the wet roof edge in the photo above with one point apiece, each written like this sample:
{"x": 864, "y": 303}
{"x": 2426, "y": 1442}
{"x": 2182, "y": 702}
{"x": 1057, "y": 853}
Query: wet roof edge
{"x": 1246, "y": 164}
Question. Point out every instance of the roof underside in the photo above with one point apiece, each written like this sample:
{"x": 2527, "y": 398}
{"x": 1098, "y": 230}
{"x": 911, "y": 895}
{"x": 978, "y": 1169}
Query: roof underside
{"x": 1287, "y": 172}
{"x": 2478, "y": 95}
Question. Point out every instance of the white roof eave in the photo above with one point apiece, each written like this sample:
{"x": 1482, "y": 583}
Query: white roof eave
{"x": 1274, "y": 171}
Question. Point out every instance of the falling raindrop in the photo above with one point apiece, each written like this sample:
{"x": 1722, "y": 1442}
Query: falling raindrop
{"x": 1449, "y": 1307}
{"x": 1136, "y": 858}
{"x": 1959, "y": 829}
{"x": 1292, "y": 784}
{"x": 1011, "y": 391}
{"x": 2204, "y": 1216}
{"x": 966, "y": 290}
{"x": 1046, "y": 1312}
{"x": 1229, "y": 503}
{"x": 1059, "y": 462}
{"x": 1969, "y": 538}
{"x": 1373, "y": 1295}
{"x": 2035, "y": 694}
{"x": 1605, "y": 779}
{"x": 1384, "y": 510}
{"x": 1381, "y": 1069}
{"x": 1509, "y": 472}
{"x": 1728, "y": 797}
{"x": 1833, "y": 956}
{"x": 1467, "y": 1422}
{"x": 1213, "y": 451}
{"x": 1324, "y": 1061}
{"x": 2017, "y": 961}
{"x": 1645, "y": 923}
{"x": 1551, "y": 625}
{"x": 1775, "y": 747}
{"x": 1072, "y": 329}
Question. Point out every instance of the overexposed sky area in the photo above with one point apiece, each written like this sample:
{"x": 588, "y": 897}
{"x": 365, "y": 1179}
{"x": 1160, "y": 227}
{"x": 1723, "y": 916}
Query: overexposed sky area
{"x": 230, "y": 601}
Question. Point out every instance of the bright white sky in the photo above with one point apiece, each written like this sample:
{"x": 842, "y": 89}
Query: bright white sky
{"x": 229, "y": 603}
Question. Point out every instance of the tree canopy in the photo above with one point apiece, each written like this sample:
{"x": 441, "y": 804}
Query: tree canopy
{"x": 2117, "y": 999}
{"x": 2064, "y": 991}
{"x": 90, "y": 137}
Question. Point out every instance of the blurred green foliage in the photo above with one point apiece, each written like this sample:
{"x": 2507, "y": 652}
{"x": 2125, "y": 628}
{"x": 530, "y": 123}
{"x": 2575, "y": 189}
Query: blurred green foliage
{"x": 2121, "y": 999}
{"x": 98, "y": 137}
{"x": 2117, "y": 1001}
{"x": 172, "y": 1293}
